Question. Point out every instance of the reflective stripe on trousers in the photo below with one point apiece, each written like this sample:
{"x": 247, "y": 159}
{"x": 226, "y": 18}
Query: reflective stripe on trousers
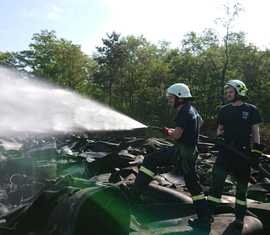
{"x": 240, "y": 202}
{"x": 213, "y": 199}
{"x": 198, "y": 197}
{"x": 218, "y": 200}
{"x": 147, "y": 171}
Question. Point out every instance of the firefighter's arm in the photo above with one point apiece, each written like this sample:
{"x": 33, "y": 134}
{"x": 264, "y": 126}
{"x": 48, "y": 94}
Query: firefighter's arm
{"x": 200, "y": 121}
{"x": 219, "y": 141}
{"x": 257, "y": 148}
{"x": 255, "y": 134}
{"x": 175, "y": 134}
{"x": 220, "y": 130}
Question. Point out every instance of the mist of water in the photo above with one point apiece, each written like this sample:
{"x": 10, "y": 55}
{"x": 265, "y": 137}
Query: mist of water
{"x": 28, "y": 105}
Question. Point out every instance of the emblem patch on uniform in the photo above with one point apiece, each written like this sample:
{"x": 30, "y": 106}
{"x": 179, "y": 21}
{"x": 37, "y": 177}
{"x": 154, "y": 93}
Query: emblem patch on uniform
{"x": 245, "y": 115}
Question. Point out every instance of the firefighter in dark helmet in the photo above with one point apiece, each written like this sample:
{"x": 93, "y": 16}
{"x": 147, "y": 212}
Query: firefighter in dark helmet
{"x": 238, "y": 127}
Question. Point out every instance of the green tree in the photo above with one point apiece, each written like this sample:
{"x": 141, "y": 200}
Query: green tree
{"x": 110, "y": 59}
{"x": 232, "y": 10}
{"x": 58, "y": 60}
{"x": 8, "y": 58}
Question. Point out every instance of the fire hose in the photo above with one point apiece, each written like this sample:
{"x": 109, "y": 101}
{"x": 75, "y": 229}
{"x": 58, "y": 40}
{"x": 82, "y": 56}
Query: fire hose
{"x": 234, "y": 150}
{"x": 241, "y": 154}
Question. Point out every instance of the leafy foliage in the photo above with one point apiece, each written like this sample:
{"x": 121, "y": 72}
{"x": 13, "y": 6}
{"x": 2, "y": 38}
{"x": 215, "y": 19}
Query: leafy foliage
{"x": 132, "y": 74}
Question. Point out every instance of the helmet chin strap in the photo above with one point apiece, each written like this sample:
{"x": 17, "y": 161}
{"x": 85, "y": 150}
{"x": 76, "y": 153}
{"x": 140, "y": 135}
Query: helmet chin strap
{"x": 178, "y": 102}
{"x": 236, "y": 97}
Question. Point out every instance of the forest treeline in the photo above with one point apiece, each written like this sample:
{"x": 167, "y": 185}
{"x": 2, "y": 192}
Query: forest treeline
{"x": 131, "y": 74}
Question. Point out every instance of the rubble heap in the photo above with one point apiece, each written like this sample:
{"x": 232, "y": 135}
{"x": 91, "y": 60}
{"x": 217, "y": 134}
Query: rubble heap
{"x": 41, "y": 178}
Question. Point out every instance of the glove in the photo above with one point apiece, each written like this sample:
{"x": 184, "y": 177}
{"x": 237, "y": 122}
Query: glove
{"x": 257, "y": 150}
{"x": 165, "y": 131}
{"x": 256, "y": 154}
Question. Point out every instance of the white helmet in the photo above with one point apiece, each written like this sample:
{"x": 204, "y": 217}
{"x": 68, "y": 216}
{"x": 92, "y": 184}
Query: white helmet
{"x": 180, "y": 90}
{"x": 239, "y": 86}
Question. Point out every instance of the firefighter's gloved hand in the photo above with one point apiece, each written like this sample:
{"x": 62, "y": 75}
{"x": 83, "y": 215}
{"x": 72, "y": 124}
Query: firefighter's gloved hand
{"x": 166, "y": 131}
{"x": 259, "y": 147}
{"x": 256, "y": 153}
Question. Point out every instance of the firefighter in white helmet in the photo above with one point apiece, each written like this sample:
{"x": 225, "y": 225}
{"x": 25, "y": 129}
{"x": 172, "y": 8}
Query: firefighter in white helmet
{"x": 183, "y": 154}
{"x": 238, "y": 127}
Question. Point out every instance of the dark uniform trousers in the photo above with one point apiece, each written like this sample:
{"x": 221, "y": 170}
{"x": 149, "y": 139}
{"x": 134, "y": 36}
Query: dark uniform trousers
{"x": 229, "y": 163}
{"x": 184, "y": 158}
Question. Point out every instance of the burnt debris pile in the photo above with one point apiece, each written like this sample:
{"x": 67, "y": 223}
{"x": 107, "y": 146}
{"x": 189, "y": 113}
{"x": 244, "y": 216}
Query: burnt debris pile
{"x": 80, "y": 184}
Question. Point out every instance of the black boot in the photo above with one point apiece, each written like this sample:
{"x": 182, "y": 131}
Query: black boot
{"x": 238, "y": 223}
{"x": 204, "y": 219}
{"x": 131, "y": 192}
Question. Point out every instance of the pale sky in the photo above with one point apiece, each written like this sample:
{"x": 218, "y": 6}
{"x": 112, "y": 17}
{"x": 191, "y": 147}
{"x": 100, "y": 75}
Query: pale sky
{"x": 85, "y": 22}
